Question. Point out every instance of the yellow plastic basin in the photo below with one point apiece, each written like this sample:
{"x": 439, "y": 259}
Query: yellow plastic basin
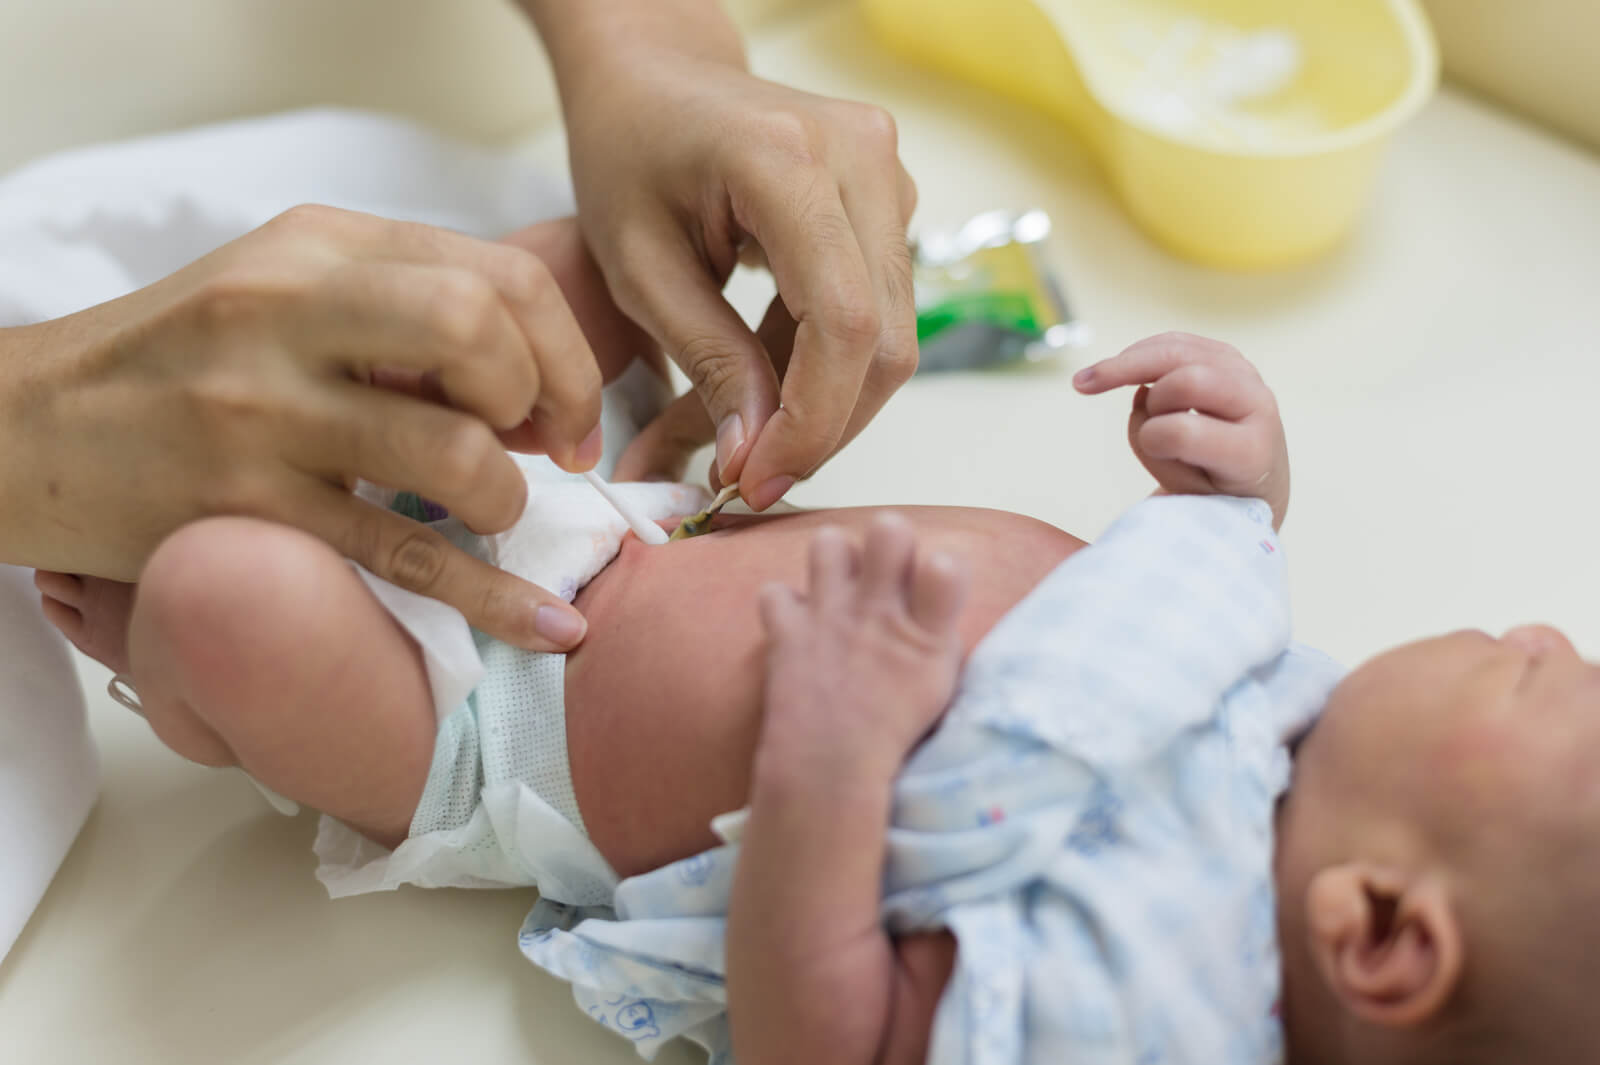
{"x": 1239, "y": 133}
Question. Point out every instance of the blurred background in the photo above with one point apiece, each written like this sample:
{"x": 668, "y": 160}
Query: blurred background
{"x": 76, "y": 71}
{"x": 1412, "y": 269}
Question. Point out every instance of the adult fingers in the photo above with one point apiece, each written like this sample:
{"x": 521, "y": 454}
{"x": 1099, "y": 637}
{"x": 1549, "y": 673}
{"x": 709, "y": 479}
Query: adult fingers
{"x": 1151, "y": 358}
{"x": 665, "y": 285}
{"x": 539, "y": 435}
{"x": 908, "y": 193}
{"x": 664, "y": 446}
{"x": 412, "y": 445}
{"x": 884, "y": 376}
{"x": 568, "y": 403}
{"x": 776, "y": 333}
{"x": 417, "y": 558}
{"x": 533, "y": 437}
{"x": 529, "y": 438}
{"x": 423, "y": 319}
{"x": 799, "y": 218}
{"x": 566, "y": 415}
{"x": 879, "y": 197}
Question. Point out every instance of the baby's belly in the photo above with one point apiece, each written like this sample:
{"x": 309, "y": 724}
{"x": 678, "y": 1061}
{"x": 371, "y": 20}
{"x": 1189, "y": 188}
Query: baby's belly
{"x": 664, "y": 696}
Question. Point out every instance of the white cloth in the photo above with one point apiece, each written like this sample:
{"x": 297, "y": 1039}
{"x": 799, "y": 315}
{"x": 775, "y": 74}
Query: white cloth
{"x": 1092, "y": 820}
{"x": 48, "y": 772}
{"x": 93, "y": 224}
{"x": 448, "y": 654}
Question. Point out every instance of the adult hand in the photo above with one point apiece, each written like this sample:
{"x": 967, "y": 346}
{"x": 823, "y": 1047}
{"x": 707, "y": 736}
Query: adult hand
{"x": 682, "y": 160}
{"x": 239, "y": 385}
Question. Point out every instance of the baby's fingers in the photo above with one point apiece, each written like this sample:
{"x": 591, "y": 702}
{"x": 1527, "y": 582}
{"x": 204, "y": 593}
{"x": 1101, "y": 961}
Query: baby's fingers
{"x": 1153, "y": 358}
{"x": 1220, "y": 391}
{"x": 938, "y": 591}
{"x": 1233, "y": 454}
{"x": 780, "y": 608}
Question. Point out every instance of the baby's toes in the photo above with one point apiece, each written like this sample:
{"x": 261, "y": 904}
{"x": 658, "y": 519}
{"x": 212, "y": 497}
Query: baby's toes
{"x": 105, "y": 607}
{"x": 60, "y": 596}
{"x": 886, "y": 561}
{"x": 65, "y": 618}
{"x": 938, "y": 592}
{"x": 62, "y": 587}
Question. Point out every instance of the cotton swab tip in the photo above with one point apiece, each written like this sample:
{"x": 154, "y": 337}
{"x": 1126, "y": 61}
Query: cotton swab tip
{"x": 642, "y": 527}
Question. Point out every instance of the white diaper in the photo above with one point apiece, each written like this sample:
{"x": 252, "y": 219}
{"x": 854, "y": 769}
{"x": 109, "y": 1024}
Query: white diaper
{"x": 498, "y": 809}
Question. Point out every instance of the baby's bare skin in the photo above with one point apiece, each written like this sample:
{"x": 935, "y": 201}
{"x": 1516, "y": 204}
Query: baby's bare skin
{"x": 255, "y": 645}
{"x": 664, "y": 697}
{"x": 1436, "y": 854}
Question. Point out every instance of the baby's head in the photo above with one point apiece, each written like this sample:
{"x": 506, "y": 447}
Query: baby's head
{"x": 1438, "y": 859}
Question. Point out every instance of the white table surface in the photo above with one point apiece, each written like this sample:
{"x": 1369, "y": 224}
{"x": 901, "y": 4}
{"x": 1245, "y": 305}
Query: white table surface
{"x": 1437, "y": 376}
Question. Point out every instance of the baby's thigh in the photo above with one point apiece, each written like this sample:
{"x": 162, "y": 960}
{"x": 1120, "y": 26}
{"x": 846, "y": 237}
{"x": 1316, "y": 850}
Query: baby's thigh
{"x": 664, "y": 697}
{"x": 265, "y": 640}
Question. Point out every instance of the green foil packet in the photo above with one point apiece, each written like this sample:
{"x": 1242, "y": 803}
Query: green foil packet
{"x": 986, "y": 297}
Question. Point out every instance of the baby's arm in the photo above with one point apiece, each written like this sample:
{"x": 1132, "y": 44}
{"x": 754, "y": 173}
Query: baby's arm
{"x": 857, "y": 671}
{"x": 1203, "y": 421}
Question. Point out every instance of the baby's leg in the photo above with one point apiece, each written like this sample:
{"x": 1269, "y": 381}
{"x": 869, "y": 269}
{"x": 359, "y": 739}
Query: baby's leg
{"x": 256, "y": 645}
{"x": 616, "y": 340}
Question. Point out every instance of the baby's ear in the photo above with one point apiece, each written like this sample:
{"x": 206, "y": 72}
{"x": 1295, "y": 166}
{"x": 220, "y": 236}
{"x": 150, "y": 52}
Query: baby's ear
{"x": 1387, "y": 942}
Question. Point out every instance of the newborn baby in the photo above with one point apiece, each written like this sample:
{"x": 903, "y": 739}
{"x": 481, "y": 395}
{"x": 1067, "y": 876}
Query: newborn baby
{"x": 1403, "y": 935}
{"x": 1095, "y": 855}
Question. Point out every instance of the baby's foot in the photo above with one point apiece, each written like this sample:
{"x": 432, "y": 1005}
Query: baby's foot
{"x": 91, "y": 612}
{"x": 866, "y": 661}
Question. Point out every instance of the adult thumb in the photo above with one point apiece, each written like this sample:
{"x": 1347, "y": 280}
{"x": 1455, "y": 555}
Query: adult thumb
{"x": 669, "y": 290}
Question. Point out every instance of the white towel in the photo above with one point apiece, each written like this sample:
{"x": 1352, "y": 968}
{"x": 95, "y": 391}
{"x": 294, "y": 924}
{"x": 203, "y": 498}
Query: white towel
{"x": 48, "y": 773}
{"x": 89, "y": 225}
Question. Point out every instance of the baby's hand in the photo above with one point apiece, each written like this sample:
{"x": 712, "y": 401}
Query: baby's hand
{"x": 1203, "y": 421}
{"x": 863, "y": 664}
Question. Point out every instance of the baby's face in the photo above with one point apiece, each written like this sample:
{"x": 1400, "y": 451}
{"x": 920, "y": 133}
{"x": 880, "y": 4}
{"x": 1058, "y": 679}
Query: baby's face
{"x": 1463, "y": 726}
{"x": 1476, "y": 755}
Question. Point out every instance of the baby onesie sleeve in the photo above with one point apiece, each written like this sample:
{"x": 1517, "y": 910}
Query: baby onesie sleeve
{"x": 1138, "y": 636}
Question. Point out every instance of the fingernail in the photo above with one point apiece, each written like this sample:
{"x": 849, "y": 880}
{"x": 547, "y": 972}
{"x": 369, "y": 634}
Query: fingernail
{"x": 560, "y": 626}
{"x": 770, "y": 492}
{"x": 590, "y": 450}
{"x": 1083, "y": 377}
{"x": 730, "y": 438}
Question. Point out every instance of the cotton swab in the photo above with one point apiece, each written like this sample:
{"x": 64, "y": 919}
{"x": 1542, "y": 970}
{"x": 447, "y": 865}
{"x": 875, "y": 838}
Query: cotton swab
{"x": 695, "y": 524}
{"x": 642, "y": 527}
